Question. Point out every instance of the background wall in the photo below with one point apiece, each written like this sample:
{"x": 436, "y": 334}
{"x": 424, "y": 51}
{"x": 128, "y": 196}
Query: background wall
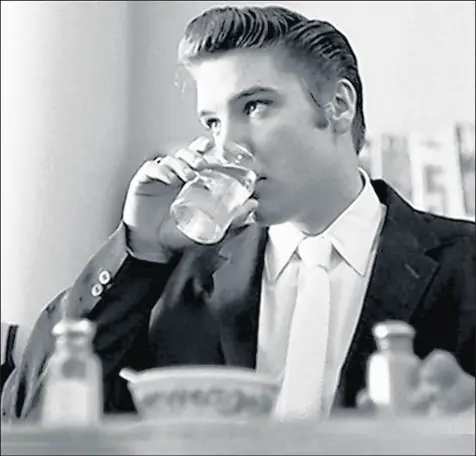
{"x": 416, "y": 60}
{"x": 64, "y": 127}
{"x": 88, "y": 92}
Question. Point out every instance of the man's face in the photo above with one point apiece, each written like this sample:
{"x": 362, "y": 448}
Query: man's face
{"x": 250, "y": 97}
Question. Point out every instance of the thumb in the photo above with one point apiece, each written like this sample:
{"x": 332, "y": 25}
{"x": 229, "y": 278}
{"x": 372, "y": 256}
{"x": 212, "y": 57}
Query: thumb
{"x": 245, "y": 214}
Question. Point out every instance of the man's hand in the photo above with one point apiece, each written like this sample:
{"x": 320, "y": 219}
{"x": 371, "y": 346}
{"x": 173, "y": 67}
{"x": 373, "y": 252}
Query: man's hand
{"x": 152, "y": 234}
{"x": 444, "y": 388}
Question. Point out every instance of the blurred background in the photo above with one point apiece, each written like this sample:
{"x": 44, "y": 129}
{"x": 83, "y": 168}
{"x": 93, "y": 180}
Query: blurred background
{"x": 88, "y": 92}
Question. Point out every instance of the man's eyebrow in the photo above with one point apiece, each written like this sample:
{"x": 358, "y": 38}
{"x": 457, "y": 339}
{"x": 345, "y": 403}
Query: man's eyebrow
{"x": 254, "y": 90}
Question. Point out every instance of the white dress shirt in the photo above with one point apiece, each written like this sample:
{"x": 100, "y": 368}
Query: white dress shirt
{"x": 354, "y": 236}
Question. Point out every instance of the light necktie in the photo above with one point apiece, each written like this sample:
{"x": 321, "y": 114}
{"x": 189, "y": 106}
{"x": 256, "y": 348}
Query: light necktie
{"x": 302, "y": 388}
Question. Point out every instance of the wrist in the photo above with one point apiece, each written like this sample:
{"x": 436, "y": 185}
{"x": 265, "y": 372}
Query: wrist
{"x": 146, "y": 250}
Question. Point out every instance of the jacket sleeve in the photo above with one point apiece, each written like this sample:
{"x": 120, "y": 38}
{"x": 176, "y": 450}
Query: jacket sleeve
{"x": 115, "y": 291}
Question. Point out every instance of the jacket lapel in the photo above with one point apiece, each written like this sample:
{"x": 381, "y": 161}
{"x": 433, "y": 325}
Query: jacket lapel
{"x": 401, "y": 274}
{"x": 235, "y": 296}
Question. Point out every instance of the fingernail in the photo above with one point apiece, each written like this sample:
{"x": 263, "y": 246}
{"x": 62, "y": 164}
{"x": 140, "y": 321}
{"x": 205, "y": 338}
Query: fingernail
{"x": 191, "y": 174}
{"x": 200, "y": 144}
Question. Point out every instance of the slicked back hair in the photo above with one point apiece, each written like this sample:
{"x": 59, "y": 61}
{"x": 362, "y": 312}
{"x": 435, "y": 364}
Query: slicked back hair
{"x": 317, "y": 46}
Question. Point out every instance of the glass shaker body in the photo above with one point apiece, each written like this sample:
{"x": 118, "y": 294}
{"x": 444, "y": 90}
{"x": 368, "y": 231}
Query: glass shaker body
{"x": 73, "y": 386}
{"x": 393, "y": 370}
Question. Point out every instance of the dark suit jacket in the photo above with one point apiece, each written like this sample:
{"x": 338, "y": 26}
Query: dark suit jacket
{"x": 8, "y": 364}
{"x": 203, "y": 307}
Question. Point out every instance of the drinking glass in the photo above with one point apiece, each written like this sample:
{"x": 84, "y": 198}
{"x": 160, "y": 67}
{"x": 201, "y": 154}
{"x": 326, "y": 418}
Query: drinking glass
{"x": 206, "y": 205}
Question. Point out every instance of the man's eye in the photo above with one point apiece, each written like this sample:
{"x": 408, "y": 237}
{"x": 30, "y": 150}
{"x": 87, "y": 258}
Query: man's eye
{"x": 212, "y": 124}
{"x": 256, "y": 106}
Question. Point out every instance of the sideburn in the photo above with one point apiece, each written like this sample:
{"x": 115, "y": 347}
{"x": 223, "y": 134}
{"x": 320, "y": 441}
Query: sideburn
{"x": 321, "y": 120}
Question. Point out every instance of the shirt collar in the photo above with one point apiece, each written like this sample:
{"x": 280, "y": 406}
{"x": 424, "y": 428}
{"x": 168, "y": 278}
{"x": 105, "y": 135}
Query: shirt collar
{"x": 284, "y": 239}
{"x": 352, "y": 234}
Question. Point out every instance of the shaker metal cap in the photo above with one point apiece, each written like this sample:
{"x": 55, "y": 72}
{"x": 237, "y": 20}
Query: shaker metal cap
{"x": 73, "y": 327}
{"x": 391, "y": 328}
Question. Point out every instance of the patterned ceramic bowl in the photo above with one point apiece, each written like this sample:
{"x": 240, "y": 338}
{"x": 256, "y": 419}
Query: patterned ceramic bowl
{"x": 202, "y": 393}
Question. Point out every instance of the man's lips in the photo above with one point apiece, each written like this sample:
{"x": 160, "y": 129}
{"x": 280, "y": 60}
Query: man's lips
{"x": 258, "y": 185}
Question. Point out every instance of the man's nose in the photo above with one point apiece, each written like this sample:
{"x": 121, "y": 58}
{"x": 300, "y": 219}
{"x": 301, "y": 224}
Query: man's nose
{"x": 233, "y": 133}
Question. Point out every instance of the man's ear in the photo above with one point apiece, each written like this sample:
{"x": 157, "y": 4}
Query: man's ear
{"x": 342, "y": 108}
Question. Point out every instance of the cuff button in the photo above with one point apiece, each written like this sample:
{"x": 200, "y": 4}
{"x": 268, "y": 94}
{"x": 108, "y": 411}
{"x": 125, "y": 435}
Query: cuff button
{"x": 105, "y": 277}
{"x": 97, "y": 290}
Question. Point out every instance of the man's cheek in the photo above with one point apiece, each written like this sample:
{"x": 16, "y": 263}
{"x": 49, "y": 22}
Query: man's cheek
{"x": 270, "y": 151}
{"x": 280, "y": 142}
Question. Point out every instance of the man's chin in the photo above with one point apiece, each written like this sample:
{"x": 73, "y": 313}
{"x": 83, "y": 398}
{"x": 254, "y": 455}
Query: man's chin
{"x": 266, "y": 218}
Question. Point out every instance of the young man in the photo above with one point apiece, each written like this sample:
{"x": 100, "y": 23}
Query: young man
{"x": 288, "y": 88}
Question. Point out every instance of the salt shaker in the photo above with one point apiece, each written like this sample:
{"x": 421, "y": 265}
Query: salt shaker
{"x": 73, "y": 389}
{"x": 393, "y": 370}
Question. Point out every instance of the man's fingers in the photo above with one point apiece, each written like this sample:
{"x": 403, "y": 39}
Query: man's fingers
{"x": 457, "y": 399}
{"x": 444, "y": 386}
{"x": 181, "y": 168}
{"x": 152, "y": 171}
{"x": 193, "y": 159}
{"x": 440, "y": 368}
{"x": 169, "y": 170}
{"x": 175, "y": 167}
{"x": 422, "y": 399}
{"x": 201, "y": 145}
{"x": 454, "y": 398}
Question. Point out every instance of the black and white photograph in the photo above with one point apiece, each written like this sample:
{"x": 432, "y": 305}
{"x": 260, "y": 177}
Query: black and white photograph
{"x": 238, "y": 227}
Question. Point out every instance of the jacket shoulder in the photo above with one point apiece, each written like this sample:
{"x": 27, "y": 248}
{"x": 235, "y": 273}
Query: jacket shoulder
{"x": 449, "y": 230}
